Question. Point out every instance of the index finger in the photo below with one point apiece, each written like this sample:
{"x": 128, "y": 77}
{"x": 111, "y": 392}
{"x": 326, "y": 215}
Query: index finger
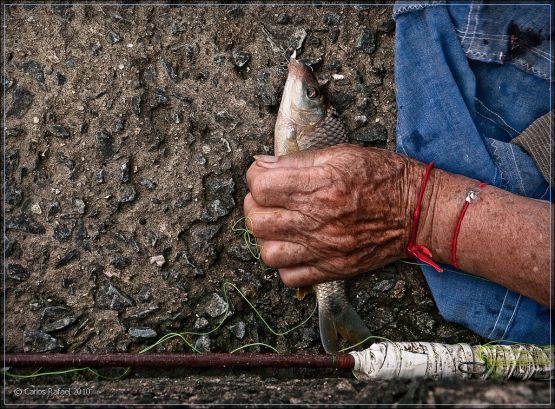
{"x": 276, "y": 187}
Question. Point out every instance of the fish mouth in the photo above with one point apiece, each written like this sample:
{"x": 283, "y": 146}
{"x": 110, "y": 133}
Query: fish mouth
{"x": 298, "y": 69}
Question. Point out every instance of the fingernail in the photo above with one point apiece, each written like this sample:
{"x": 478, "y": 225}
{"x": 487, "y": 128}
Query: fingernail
{"x": 266, "y": 158}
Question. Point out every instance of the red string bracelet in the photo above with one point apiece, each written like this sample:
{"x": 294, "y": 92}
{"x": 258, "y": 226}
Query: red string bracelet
{"x": 471, "y": 197}
{"x": 417, "y": 250}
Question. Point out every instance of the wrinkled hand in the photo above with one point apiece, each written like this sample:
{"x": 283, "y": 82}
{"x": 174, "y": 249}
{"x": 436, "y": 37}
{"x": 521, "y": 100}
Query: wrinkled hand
{"x": 323, "y": 215}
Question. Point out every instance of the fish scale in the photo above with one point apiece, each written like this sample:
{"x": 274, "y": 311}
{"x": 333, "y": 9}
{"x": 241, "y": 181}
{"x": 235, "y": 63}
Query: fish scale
{"x": 307, "y": 121}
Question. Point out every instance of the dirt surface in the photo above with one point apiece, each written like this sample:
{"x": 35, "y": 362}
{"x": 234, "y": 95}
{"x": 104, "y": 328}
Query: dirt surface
{"x": 129, "y": 131}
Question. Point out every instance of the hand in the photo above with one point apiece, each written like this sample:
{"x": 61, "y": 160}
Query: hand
{"x": 323, "y": 215}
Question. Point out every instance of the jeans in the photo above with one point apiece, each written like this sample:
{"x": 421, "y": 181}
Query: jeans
{"x": 469, "y": 79}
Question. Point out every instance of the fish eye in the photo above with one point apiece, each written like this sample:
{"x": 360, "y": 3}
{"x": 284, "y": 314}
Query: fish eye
{"x": 312, "y": 92}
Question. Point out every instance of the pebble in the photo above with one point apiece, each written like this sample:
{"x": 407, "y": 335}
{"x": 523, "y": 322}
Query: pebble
{"x": 226, "y": 119}
{"x": 14, "y": 196}
{"x": 361, "y": 119}
{"x": 58, "y": 131}
{"x": 367, "y": 41}
{"x": 80, "y": 205}
{"x": 60, "y": 79}
{"x": 283, "y": 19}
{"x": 184, "y": 200}
{"x": 341, "y": 101}
{"x": 59, "y": 324}
{"x": 238, "y": 330}
{"x": 33, "y": 68}
{"x": 128, "y": 195}
{"x": 330, "y": 19}
{"x": 63, "y": 231}
{"x": 35, "y": 208}
{"x": 125, "y": 170}
{"x": 17, "y": 272}
{"x": 54, "y": 209}
{"x": 385, "y": 285}
{"x": 104, "y": 145}
{"x": 375, "y": 132}
{"x": 114, "y": 37}
{"x": 202, "y": 344}
{"x": 22, "y": 99}
{"x": 39, "y": 341}
{"x": 120, "y": 262}
{"x": 217, "y": 209}
{"x": 200, "y": 323}
{"x": 240, "y": 57}
{"x": 119, "y": 125}
{"x": 26, "y": 224}
{"x": 136, "y": 104}
{"x": 142, "y": 332}
{"x": 159, "y": 260}
{"x": 149, "y": 184}
{"x": 265, "y": 91}
{"x": 111, "y": 298}
{"x": 99, "y": 176}
{"x": 214, "y": 305}
{"x": 68, "y": 258}
{"x": 170, "y": 69}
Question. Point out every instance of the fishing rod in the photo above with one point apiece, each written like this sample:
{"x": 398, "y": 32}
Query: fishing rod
{"x": 159, "y": 360}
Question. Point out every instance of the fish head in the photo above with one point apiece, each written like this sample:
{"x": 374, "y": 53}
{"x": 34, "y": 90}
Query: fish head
{"x": 302, "y": 107}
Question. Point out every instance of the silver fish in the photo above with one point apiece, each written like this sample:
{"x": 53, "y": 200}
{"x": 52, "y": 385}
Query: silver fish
{"x": 307, "y": 120}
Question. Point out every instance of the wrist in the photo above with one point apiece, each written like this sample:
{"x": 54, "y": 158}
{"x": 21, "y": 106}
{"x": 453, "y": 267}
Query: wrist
{"x": 415, "y": 178}
{"x": 445, "y": 201}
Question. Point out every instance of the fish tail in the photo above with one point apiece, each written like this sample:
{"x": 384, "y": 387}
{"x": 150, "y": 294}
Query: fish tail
{"x": 347, "y": 323}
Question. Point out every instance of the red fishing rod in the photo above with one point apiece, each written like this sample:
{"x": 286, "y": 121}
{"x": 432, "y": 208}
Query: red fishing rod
{"x": 210, "y": 360}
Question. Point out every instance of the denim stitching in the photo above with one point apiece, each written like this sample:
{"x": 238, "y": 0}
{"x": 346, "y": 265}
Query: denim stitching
{"x": 495, "y": 123}
{"x": 517, "y": 170}
{"x": 502, "y": 181}
{"x": 498, "y": 315}
{"x": 512, "y": 317}
{"x": 467, "y": 24}
{"x": 413, "y": 7}
{"x": 476, "y": 19}
{"x": 481, "y": 33}
{"x": 497, "y": 115}
{"x": 530, "y": 68}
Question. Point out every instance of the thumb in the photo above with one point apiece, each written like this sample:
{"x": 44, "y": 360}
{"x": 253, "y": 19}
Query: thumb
{"x": 303, "y": 159}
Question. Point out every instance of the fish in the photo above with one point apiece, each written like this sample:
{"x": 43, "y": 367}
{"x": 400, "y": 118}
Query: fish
{"x": 307, "y": 120}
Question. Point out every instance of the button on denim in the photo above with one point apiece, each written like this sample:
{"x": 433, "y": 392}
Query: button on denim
{"x": 469, "y": 79}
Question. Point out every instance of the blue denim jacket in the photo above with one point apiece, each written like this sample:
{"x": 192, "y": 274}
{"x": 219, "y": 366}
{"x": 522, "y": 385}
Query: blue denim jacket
{"x": 469, "y": 79}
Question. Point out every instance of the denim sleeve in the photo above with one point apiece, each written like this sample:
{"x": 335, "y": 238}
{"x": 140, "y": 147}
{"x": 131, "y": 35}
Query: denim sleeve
{"x": 460, "y": 102}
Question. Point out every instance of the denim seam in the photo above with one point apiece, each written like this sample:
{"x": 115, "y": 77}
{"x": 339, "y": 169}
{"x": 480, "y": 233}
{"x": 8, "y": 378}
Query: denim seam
{"x": 497, "y": 115}
{"x": 530, "y": 68}
{"x": 467, "y": 25}
{"x": 477, "y": 20}
{"x": 511, "y": 146}
{"x": 413, "y": 7}
{"x": 512, "y": 316}
{"x": 498, "y": 55}
{"x": 495, "y": 123}
{"x": 498, "y": 315}
{"x": 502, "y": 183}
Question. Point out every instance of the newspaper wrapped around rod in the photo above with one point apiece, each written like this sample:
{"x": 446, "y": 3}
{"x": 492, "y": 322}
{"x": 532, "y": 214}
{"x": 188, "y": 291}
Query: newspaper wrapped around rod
{"x": 409, "y": 360}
